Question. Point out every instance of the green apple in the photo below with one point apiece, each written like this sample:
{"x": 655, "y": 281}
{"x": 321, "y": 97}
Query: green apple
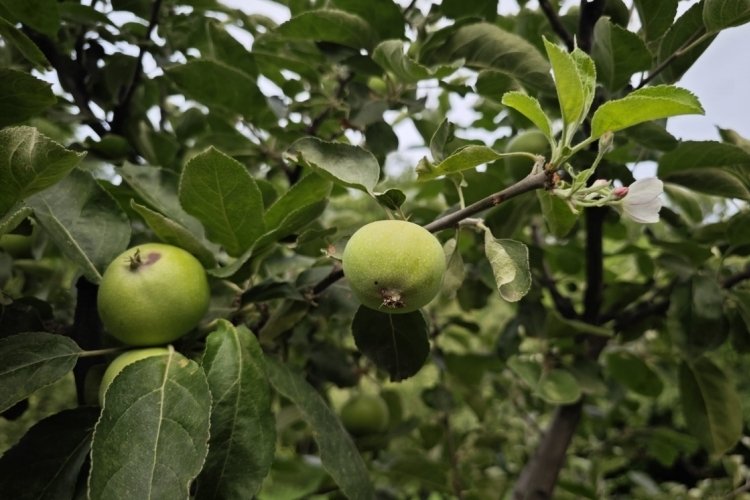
{"x": 365, "y": 414}
{"x": 152, "y": 294}
{"x": 123, "y": 360}
{"x": 529, "y": 141}
{"x": 394, "y": 266}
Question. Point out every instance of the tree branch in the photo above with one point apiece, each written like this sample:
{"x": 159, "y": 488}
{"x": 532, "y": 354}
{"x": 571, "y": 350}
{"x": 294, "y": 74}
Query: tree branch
{"x": 557, "y": 25}
{"x": 539, "y": 475}
{"x": 590, "y": 13}
{"x": 529, "y": 183}
{"x": 72, "y": 78}
{"x": 121, "y": 111}
{"x": 538, "y": 478}
{"x": 86, "y": 332}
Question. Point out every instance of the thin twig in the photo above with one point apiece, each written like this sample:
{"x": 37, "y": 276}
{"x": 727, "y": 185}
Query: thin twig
{"x": 563, "y": 304}
{"x": 557, "y": 25}
{"x": 689, "y": 45}
{"x": 530, "y": 183}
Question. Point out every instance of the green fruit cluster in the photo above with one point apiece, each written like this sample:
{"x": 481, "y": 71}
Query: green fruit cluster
{"x": 394, "y": 266}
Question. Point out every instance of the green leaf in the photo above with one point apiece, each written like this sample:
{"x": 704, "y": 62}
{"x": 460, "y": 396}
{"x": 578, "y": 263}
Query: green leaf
{"x": 22, "y": 43}
{"x": 337, "y": 451}
{"x": 722, "y": 14}
{"x": 462, "y": 159}
{"x": 711, "y": 405}
{"x": 510, "y": 265}
{"x": 656, "y": 16}
{"x": 13, "y": 218}
{"x": 152, "y": 437}
{"x": 30, "y": 361}
{"x": 571, "y": 82}
{"x": 558, "y": 215}
{"x": 440, "y": 139}
{"x": 732, "y": 137}
{"x": 618, "y": 54}
{"x": 309, "y": 190}
{"x": 329, "y": 25}
{"x": 558, "y": 387}
{"x": 397, "y": 343}
{"x": 642, "y": 105}
{"x": 633, "y": 373}
{"x": 219, "y": 86}
{"x": 29, "y": 163}
{"x": 555, "y": 326}
{"x": 41, "y": 15}
{"x": 89, "y": 228}
{"x": 220, "y": 192}
{"x": 703, "y": 154}
{"x": 283, "y": 318}
{"x": 487, "y": 46}
{"x": 709, "y": 167}
{"x": 695, "y": 319}
{"x": 392, "y": 199}
{"x": 47, "y": 461}
{"x": 710, "y": 181}
{"x": 383, "y": 16}
{"x": 243, "y": 428}
{"x": 158, "y": 187}
{"x": 685, "y": 30}
{"x": 391, "y": 56}
{"x": 530, "y": 108}
{"x": 174, "y": 233}
{"x": 454, "y": 274}
{"x": 344, "y": 164}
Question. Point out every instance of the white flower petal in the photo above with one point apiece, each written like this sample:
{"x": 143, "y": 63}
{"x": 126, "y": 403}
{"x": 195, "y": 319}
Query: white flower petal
{"x": 643, "y": 202}
{"x": 645, "y": 189}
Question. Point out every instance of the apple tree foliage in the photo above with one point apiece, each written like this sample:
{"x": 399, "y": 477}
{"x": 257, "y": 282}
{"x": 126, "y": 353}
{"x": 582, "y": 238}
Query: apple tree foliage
{"x": 591, "y": 336}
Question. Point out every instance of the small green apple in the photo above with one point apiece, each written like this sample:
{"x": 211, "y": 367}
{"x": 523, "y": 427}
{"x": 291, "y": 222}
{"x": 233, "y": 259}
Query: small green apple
{"x": 394, "y": 266}
{"x": 123, "y": 360}
{"x": 152, "y": 294}
{"x": 529, "y": 141}
{"x": 365, "y": 414}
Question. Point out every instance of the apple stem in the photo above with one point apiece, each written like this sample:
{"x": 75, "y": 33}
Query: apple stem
{"x": 135, "y": 261}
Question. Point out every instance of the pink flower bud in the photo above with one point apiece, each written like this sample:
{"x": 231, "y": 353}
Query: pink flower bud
{"x": 620, "y": 192}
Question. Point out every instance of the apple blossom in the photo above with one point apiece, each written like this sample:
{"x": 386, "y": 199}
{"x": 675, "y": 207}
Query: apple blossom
{"x": 641, "y": 200}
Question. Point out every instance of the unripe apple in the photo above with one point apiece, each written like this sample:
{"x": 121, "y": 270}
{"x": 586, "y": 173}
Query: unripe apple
{"x": 394, "y": 266}
{"x": 529, "y": 141}
{"x": 152, "y": 294}
{"x": 123, "y": 360}
{"x": 365, "y": 414}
